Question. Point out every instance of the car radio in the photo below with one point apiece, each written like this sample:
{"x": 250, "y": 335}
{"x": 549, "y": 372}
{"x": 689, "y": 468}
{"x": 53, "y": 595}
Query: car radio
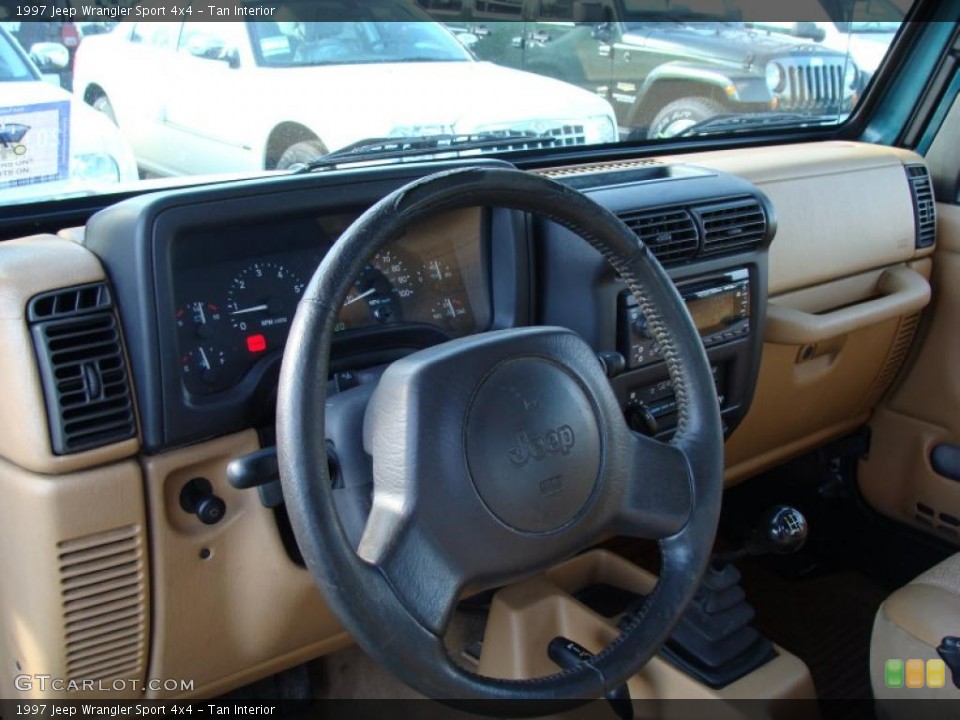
{"x": 719, "y": 306}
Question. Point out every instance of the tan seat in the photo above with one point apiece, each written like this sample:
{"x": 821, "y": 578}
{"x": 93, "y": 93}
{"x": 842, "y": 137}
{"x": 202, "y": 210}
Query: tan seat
{"x": 911, "y": 623}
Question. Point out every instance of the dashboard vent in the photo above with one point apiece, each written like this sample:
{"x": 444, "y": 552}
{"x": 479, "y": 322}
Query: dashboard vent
{"x": 72, "y": 301}
{"x": 924, "y": 205}
{"x": 671, "y": 235}
{"x": 83, "y": 371}
{"x": 731, "y": 226}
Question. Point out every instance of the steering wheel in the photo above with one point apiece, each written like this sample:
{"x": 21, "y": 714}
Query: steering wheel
{"x": 498, "y": 455}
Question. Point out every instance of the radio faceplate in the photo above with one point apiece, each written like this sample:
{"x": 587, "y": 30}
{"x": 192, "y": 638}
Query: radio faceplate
{"x": 719, "y": 306}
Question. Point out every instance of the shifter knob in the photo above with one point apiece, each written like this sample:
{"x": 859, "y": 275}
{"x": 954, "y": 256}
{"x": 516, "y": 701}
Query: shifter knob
{"x": 783, "y": 531}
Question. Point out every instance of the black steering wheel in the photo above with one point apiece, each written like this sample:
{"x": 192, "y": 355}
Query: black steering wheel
{"x": 498, "y": 455}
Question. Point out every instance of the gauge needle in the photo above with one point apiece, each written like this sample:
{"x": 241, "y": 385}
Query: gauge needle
{"x": 255, "y": 308}
{"x": 206, "y": 362}
{"x": 203, "y": 315}
{"x": 368, "y": 293}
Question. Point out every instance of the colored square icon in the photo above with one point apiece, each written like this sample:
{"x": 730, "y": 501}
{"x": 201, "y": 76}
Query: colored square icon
{"x": 936, "y": 674}
{"x": 914, "y": 673}
{"x": 893, "y": 673}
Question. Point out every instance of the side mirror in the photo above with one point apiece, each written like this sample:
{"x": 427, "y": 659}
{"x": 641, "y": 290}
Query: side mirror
{"x": 591, "y": 13}
{"x": 50, "y": 56}
{"x": 232, "y": 58}
{"x": 602, "y": 32}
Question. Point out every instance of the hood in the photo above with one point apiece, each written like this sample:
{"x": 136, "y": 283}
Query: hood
{"x": 724, "y": 43}
{"x": 424, "y": 98}
{"x": 91, "y": 137}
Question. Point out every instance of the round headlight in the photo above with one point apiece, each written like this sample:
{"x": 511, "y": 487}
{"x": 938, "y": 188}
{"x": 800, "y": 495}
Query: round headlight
{"x": 850, "y": 74}
{"x": 775, "y": 77}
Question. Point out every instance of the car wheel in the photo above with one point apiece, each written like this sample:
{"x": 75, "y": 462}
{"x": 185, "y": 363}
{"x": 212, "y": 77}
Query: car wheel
{"x": 301, "y": 152}
{"x": 102, "y": 104}
{"x": 681, "y": 115}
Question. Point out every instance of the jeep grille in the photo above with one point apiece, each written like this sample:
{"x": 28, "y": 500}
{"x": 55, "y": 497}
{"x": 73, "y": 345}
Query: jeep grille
{"x": 811, "y": 86}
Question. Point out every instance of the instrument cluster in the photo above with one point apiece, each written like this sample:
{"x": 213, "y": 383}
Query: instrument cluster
{"x": 237, "y": 290}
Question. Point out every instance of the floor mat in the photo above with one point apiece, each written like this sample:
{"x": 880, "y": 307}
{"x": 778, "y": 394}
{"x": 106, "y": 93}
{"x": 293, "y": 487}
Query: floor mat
{"x": 825, "y": 620}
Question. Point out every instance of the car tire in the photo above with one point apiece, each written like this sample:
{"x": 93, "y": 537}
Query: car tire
{"x": 679, "y": 115}
{"x": 303, "y": 152}
{"x": 102, "y": 104}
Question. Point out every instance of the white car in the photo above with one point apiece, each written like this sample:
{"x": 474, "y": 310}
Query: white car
{"x": 289, "y": 92}
{"x": 51, "y": 144}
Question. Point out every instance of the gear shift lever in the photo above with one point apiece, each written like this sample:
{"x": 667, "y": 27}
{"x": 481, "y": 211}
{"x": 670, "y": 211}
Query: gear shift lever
{"x": 782, "y": 530}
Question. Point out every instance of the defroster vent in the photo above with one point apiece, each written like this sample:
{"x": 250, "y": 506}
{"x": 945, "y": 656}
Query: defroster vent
{"x": 670, "y": 234}
{"x": 924, "y": 205}
{"x": 82, "y": 368}
{"x": 735, "y": 225}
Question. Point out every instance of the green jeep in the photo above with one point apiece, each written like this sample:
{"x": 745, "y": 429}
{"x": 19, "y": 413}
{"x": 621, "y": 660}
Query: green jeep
{"x": 662, "y": 78}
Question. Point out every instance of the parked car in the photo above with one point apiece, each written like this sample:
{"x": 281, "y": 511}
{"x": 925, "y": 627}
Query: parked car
{"x": 50, "y": 142}
{"x": 664, "y": 77}
{"x": 154, "y": 80}
{"x": 866, "y": 42}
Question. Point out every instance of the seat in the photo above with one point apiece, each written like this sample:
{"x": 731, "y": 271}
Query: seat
{"x": 911, "y": 624}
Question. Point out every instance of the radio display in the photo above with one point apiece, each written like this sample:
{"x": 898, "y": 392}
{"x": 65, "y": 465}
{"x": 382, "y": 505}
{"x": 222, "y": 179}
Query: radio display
{"x": 715, "y": 312}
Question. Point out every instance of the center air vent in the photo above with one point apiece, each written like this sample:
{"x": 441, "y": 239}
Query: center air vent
{"x": 670, "y": 234}
{"x": 731, "y": 226}
{"x": 82, "y": 368}
{"x": 924, "y": 205}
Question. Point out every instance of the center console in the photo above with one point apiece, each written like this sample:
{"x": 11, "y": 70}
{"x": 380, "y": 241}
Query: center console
{"x": 711, "y": 232}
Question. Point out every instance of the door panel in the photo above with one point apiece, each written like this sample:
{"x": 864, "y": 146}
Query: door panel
{"x": 923, "y": 411}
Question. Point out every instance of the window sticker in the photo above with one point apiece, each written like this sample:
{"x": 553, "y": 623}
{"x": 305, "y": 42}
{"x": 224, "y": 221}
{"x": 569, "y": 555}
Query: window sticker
{"x": 34, "y": 143}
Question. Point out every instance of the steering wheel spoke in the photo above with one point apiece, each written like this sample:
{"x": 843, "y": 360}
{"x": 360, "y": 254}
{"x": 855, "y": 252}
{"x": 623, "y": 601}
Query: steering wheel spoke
{"x": 658, "y": 499}
{"x": 424, "y": 576}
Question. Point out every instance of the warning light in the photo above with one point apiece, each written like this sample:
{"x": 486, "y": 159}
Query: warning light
{"x": 256, "y": 343}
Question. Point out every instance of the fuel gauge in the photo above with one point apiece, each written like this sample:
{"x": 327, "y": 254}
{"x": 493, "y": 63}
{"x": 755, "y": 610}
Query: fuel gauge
{"x": 204, "y": 369}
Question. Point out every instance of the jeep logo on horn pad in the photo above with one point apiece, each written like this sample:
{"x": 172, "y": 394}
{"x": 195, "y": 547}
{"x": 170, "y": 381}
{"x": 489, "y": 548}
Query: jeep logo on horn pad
{"x": 556, "y": 441}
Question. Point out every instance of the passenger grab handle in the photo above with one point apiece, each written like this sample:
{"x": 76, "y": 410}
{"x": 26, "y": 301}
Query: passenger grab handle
{"x": 902, "y": 291}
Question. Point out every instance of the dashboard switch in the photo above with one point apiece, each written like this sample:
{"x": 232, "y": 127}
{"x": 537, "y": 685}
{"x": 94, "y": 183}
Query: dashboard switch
{"x": 197, "y": 498}
{"x": 642, "y": 420}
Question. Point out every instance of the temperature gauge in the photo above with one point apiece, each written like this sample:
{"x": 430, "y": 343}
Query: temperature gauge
{"x": 198, "y": 319}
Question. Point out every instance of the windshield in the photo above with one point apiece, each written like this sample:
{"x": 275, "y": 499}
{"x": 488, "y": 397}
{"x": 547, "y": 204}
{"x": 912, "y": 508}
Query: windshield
{"x": 135, "y": 96}
{"x": 12, "y": 67}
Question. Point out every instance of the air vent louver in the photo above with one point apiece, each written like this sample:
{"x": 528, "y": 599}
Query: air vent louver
{"x": 671, "y": 235}
{"x": 73, "y": 301}
{"x": 83, "y": 369}
{"x": 731, "y": 226}
{"x": 924, "y": 205}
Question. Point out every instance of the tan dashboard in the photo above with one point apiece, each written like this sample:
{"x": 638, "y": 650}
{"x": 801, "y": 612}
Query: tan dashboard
{"x": 105, "y": 576}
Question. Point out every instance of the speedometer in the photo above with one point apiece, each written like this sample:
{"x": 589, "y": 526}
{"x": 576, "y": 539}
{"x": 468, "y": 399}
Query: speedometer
{"x": 261, "y": 302}
{"x": 381, "y": 292}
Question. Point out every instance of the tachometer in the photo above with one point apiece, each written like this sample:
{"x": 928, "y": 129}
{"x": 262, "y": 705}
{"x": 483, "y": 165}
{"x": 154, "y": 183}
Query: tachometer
{"x": 261, "y": 303}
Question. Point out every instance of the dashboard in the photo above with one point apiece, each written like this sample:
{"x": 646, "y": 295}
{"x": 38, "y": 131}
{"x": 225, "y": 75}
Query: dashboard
{"x": 805, "y": 309}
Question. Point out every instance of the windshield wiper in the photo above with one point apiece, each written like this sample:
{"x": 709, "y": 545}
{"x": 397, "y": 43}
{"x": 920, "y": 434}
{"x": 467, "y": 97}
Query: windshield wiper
{"x": 417, "y": 146}
{"x": 754, "y": 121}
